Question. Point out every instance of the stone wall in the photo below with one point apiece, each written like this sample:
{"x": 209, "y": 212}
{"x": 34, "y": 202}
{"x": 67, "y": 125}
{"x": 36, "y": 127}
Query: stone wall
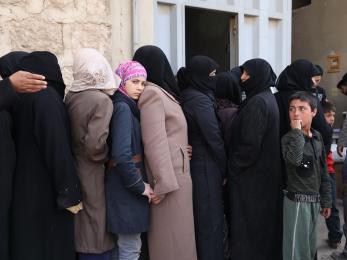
{"x": 59, "y": 26}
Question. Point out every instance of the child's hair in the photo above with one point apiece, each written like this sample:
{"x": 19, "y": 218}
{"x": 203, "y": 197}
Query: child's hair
{"x": 305, "y": 97}
{"x": 328, "y": 107}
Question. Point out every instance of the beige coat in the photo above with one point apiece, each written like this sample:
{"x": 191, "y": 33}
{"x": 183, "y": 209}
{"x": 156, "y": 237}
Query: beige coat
{"x": 90, "y": 113}
{"x": 165, "y": 138}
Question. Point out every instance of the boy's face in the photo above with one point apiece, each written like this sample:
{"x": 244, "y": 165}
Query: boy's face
{"x": 330, "y": 117}
{"x": 301, "y": 110}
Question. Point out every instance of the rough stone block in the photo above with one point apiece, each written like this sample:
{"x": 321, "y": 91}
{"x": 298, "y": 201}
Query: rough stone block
{"x": 34, "y": 6}
{"x": 97, "y": 7}
{"x": 60, "y": 3}
{"x": 96, "y": 36}
{"x": 10, "y": 1}
{"x": 34, "y": 34}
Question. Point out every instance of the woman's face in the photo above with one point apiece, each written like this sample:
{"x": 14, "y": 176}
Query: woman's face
{"x": 316, "y": 80}
{"x": 134, "y": 87}
{"x": 213, "y": 73}
{"x": 245, "y": 76}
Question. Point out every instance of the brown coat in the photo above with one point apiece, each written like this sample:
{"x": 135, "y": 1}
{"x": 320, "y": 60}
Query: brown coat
{"x": 165, "y": 139}
{"x": 90, "y": 113}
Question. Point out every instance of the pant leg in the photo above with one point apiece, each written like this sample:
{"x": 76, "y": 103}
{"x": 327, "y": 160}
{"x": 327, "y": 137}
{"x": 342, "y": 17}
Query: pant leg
{"x": 314, "y": 209}
{"x": 103, "y": 256}
{"x": 333, "y": 222}
{"x": 299, "y": 225}
{"x": 344, "y": 201}
{"x": 129, "y": 246}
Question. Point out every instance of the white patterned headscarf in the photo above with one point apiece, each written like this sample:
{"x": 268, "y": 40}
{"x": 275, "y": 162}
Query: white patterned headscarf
{"x": 92, "y": 71}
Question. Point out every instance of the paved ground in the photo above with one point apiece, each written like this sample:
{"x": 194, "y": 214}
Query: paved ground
{"x": 324, "y": 251}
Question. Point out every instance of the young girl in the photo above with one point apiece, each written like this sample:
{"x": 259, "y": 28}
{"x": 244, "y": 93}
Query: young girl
{"x": 127, "y": 193}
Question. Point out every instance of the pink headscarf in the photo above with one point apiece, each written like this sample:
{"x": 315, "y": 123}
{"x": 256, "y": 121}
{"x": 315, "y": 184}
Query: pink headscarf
{"x": 129, "y": 70}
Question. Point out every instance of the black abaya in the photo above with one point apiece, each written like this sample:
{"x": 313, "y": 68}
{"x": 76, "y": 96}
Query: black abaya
{"x": 45, "y": 181}
{"x": 254, "y": 170}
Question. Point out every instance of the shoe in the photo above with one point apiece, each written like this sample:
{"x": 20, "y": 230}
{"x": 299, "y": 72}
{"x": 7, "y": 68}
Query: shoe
{"x": 339, "y": 256}
{"x": 334, "y": 244}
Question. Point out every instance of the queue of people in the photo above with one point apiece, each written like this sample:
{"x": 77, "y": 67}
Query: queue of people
{"x": 138, "y": 163}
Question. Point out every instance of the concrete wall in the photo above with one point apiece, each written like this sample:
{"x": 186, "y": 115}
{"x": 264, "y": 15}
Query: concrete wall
{"x": 319, "y": 30}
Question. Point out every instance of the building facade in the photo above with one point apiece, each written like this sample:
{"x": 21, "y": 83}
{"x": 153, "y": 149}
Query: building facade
{"x": 230, "y": 31}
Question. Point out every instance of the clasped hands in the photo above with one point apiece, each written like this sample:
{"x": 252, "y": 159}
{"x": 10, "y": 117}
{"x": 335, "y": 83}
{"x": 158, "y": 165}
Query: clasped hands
{"x": 150, "y": 194}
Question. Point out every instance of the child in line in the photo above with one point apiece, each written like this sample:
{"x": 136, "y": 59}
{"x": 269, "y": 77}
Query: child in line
{"x": 127, "y": 193}
{"x": 333, "y": 222}
{"x": 308, "y": 186}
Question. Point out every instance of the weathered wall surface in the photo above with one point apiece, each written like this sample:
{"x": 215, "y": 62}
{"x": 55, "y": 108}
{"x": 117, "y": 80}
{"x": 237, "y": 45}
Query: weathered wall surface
{"x": 60, "y": 26}
{"x": 318, "y": 31}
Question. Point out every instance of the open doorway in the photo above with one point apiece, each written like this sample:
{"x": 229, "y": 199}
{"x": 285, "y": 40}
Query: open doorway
{"x": 211, "y": 33}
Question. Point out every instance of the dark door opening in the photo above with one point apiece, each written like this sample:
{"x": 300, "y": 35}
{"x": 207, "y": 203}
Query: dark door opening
{"x": 211, "y": 33}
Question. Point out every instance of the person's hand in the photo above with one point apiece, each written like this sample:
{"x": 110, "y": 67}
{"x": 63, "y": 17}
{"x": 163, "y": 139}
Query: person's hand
{"x": 339, "y": 150}
{"x": 190, "y": 151}
{"x": 296, "y": 124}
{"x": 75, "y": 209}
{"x": 26, "y": 82}
{"x": 326, "y": 212}
{"x": 225, "y": 182}
{"x": 156, "y": 199}
{"x": 148, "y": 192}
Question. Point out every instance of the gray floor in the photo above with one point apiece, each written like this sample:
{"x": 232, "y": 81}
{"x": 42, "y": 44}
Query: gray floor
{"x": 324, "y": 251}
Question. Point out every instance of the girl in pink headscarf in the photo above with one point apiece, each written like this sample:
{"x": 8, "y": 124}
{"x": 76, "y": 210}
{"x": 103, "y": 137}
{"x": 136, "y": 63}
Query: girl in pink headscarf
{"x": 127, "y": 193}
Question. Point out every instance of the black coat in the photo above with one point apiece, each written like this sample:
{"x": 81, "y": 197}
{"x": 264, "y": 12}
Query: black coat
{"x": 7, "y": 164}
{"x": 254, "y": 180}
{"x": 127, "y": 208}
{"x": 7, "y": 94}
{"x": 45, "y": 181}
{"x": 208, "y": 169}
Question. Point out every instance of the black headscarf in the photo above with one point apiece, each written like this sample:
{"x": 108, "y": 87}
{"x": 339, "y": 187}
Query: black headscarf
{"x": 342, "y": 82}
{"x": 297, "y": 76}
{"x": 319, "y": 70}
{"x": 198, "y": 74}
{"x": 228, "y": 86}
{"x": 10, "y": 63}
{"x": 158, "y": 68}
{"x": 45, "y": 63}
{"x": 261, "y": 77}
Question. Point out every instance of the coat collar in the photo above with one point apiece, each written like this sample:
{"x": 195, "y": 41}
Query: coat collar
{"x": 164, "y": 91}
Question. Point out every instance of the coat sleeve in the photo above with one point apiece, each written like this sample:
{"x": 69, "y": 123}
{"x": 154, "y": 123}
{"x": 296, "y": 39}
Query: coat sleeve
{"x": 121, "y": 131}
{"x": 156, "y": 145}
{"x": 325, "y": 187}
{"x": 253, "y": 125}
{"x": 207, "y": 122}
{"x": 98, "y": 128}
{"x": 343, "y": 135}
{"x": 52, "y": 136}
{"x": 7, "y": 94}
{"x": 293, "y": 147}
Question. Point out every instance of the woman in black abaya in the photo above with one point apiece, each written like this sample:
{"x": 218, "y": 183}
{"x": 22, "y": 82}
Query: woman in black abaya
{"x": 45, "y": 182}
{"x": 254, "y": 168}
{"x": 208, "y": 163}
{"x": 7, "y": 153}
